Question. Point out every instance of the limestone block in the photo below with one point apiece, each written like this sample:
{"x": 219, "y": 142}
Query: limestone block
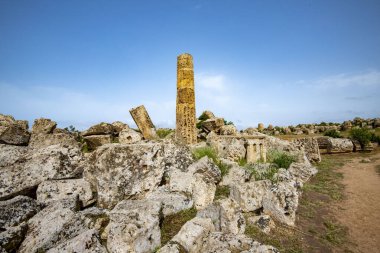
{"x": 43, "y": 126}
{"x": 143, "y": 122}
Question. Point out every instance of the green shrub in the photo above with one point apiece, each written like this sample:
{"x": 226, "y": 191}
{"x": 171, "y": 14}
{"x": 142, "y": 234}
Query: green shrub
{"x": 228, "y": 122}
{"x": 361, "y": 135}
{"x": 333, "y": 133}
{"x": 222, "y": 191}
{"x": 211, "y": 153}
{"x": 280, "y": 158}
{"x": 163, "y": 132}
{"x": 268, "y": 173}
{"x": 242, "y": 162}
{"x": 203, "y": 117}
{"x": 375, "y": 138}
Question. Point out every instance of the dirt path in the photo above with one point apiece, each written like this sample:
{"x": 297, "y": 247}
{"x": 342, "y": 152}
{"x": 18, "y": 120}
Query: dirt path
{"x": 360, "y": 209}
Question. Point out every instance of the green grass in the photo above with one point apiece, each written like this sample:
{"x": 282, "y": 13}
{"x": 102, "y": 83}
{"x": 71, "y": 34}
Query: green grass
{"x": 284, "y": 239}
{"x": 280, "y": 158}
{"x": 335, "y": 233}
{"x": 163, "y": 132}
{"x": 262, "y": 175}
{"x": 222, "y": 192}
{"x": 171, "y": 224}
{"x": 211, "y": 153}
{"x": 327, "y": 180}
{"x": 242, "y": 162}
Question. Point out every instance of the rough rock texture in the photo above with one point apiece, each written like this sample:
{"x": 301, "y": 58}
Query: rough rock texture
{"x": 129, "y": 136}
{"x": 207, "y": 169}
{"x": 44, "y": 140}
{"x": 36, "y": 166}
{"x": 263, "y": 222}
{"x": 229, "y": 148}
{"x": 339, "y": 145}
{"x": 250, "y": 195}
{"x": 17, "y": 210}
{"x": 228, "y": 130}
{"x": 143, "y": 122}
{"x": 43, "y": 126}
{"x": 203, "y": 192}
{"x": 172, "y": 202}
{"x": 212, "y": 125}
{"x": 53, "y": 190}
{"x": 226, "y": 216}
{"x": 119, "y": 126}
{"x": 120, "y": 172}
{"x": 281, "y": 202}
{"x": 302, "y": 171}
{"x": 10, "y": 154}
{"x": 193, "y": 233}
{"x": 14, "y": 133}
{"x": 323, "y": 142}
{"x": 94, "y": 141}
{"x": 236, "y": 175}
{"x": 53, "y": 225}
{"x": 86, "y": 242}
{"x": 134, "y": 227}
{"x": 358, "y": 147}
{"x": 311, "y": 148}
{"x": 11, "y": 238}
{"x": 208, "y": 114}
{"x": 99, "y": 129}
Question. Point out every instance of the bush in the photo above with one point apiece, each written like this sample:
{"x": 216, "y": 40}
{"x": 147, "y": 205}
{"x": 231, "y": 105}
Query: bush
{"x": 163, "y": 132}
{"x": 228, "y": 122}
{"x": 280, "y": 158}
{"x": 375, "y": 138}
{"x": 264, "y": 174}
{"x": 211, "y": 153}
{"x": 361, "y": 135}
{"x": 333, "y": 133}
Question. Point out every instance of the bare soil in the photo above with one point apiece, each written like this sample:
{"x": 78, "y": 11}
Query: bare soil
{"x": 359, "y": 211}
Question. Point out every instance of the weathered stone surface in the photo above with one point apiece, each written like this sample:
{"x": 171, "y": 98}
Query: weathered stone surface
{"x": 281, "y": 203}
{"x": 227, "y": 147}
{"x": 86, "y": 242}
{"x": 260, "y": 127}
{"x": 14, "y": 134}
{"x": 172, "y": 202}
{"x": 236, "y": 175}
{"x": 263, "y": 222}
{"x": 96, "y": 218}
{"x": 36, "y": 166}
{"x": 44, "y": 140}
{"x": 302, "y": 171}
{"x": 10, "y": 154}
{"x": 208, "y": 114}
{"x": 228, "y": 130}
{"x": 311, "y": 148}
{"x": 53, "y": 225}
{"x": 256, "y": 150}
{"x": 11, "y": 238}
{"x": 323, "y": 142}
{"x": 120, "y": 172}
{"x": 193, "y": 233}
{"x": 203, "y": 192}
{"x": 100, "y": 129}
{"x": 134, "y": 227}
{"x": 214, "y": 124}
{"x": 6, "y": 120}
{"x": 339, "y": 145}
{"x": 43, "y": 126}
{"x": 143, "y": 122}
{"x": 250, "y": 131}
{"x": 129, "y": 136}
{"x": 226, "y": 216}
{"x": 186, "y": 131}
{"x": 53, "y": 190}
{"x": 17, "y": 210}
{"x": 94, "y": 141}
{"x": 250, "y": 195}
{"x": 358, "y": 147}
{"x": 119, "y": 126}
{"x": 171, "y": 247}
{"x": 207, "y": 168}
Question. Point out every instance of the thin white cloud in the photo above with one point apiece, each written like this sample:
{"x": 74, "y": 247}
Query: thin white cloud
{"x": 211, "y": 82}
{"x": 364, "y": 79}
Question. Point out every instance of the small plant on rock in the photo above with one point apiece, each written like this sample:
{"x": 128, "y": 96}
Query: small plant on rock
{"x": 163, "y": 132}
{"x": 333, "y": 133}
{"x": 280, "y": 158}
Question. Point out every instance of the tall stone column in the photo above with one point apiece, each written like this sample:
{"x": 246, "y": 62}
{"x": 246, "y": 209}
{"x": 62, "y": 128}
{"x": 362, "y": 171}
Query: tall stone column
{"x": 186, "y": 132}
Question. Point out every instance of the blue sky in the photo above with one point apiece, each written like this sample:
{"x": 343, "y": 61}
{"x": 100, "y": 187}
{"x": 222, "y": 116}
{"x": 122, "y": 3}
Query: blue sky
{"x": 278, "y": 62}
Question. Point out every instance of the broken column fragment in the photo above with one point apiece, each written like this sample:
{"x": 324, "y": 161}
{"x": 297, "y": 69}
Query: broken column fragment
{"x": 143, "y": 122}
{"x": 256, "y": 150}
{"x": 186, "y": 131}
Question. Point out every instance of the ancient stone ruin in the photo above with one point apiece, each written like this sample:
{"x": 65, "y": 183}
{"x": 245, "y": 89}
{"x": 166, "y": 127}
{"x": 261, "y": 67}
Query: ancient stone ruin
{"x": 185, "y": 113}
{"x": 143, "y": 122}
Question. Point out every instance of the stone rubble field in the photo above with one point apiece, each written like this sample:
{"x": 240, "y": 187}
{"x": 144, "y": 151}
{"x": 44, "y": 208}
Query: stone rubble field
{"x": 56, "y": 198}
